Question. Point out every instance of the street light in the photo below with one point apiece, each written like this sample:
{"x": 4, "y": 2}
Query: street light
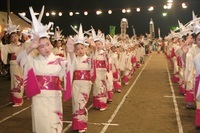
{"x": 164, "y": 14}
{"x": 138, "y": 9}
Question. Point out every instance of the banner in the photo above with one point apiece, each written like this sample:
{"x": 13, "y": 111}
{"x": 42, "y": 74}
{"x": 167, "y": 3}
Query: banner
{"x": 112, "y": 31}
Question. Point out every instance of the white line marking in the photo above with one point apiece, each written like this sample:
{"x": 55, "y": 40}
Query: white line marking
{"x": 67, "y": 128}
{"x": 178, "y": 119}
{"x": 95, "y": 123}
{"x": 175, "y": 96}
{"x": 14, "y": 114}
{"x": 5, "y": 104}
{"x": 123, "y": 99}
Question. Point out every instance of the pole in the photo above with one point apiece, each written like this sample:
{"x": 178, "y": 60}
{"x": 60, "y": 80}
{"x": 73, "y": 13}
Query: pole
{"x": 8, "y": 10}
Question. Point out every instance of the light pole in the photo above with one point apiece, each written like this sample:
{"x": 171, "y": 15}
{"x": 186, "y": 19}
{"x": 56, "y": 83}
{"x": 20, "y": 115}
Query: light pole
{"x": 164, "y": 14}
{"x": 8, "y": 10}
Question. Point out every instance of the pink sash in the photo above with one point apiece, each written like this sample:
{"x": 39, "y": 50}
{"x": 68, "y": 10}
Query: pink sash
{"x": 82, "y": 75}
{"x": 100, "y": 64}
{"x": 49, "y": 82}
{"x": 197, "y": 80}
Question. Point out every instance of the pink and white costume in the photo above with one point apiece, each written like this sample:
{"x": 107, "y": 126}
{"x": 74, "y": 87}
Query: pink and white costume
{"x": 99, "y": 87}
{"x": 80, "y": 92}
{"x": 42, "y": 83}
{"x": 17, "y": 88}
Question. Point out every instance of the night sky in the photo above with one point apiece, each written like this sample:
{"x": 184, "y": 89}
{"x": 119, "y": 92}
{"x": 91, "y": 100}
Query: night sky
{"x": 139, "y": 20}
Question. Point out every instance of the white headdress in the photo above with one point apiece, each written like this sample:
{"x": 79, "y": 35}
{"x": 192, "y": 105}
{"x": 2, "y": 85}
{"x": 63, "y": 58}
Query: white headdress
{"x": 27, "y": 32}
{"x": 94, "y": 36}
{"x": 37, "y": 27}
{"x": 183, "y": 30}
{"x": 57, "y": 35}
{"x": 174, "y": 34}
{"x": 79, "y": 38}
{"x": 114, "y": 41}
{"x": 11, "y": 28}
{"x": 195, "y": 23}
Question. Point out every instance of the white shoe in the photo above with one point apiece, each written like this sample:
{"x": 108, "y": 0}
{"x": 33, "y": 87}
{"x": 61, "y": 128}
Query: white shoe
{"x": 17, "y": 105}
{"x": 119, "y": 91}
{"x": 82, "y": 131}
{"x": 126, "y": 83}
{"x": 102, "y": 109}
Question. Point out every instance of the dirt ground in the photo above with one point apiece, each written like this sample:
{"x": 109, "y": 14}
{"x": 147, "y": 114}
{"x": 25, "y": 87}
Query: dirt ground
{"x": 148, "y": 104}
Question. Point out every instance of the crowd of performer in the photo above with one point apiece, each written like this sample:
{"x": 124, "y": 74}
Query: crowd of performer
{"x": 48, "y": 67}
{"x": 182, "y": 48}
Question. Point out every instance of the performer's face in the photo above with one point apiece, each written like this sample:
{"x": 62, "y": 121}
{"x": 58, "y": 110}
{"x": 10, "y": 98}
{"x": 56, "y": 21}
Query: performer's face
{"x": 14, "y": 38}
{"x": 198, "y": 40}
{"x": 45, "y": 47}
{"x": 107, "y": 46}
{"x": 99, "y": 45}
{"x": 113, "y": 48}
{"x": 80, "y": 49}
{"x": 58, "y": 44}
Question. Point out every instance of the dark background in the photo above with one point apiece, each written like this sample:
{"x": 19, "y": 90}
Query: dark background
{"x": 139, "y": 20}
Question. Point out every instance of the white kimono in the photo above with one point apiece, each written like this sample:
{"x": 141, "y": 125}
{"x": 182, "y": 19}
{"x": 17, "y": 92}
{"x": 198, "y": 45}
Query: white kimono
{"x": 17, "y": 88}
{"x": 197, "y": 68}
{"x": 47, "y": 112}
{"x": 99, "y": 87}
{"x": 80, "y": 92}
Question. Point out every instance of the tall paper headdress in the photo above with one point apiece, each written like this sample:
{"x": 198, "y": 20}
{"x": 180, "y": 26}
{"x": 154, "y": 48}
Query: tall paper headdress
{"x": 57, "y": 35}
{"x": 195, "y": 23}
{"x": 94, "y": 36}
{"x": 11, "y": 27}
{"x": 37, "y": 27}
{"x": 79, "y": 38}
{"x": 114, "y": 41}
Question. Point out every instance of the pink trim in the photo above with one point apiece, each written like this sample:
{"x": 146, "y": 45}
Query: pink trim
{"x": 197, "y": 118}
{"x": 138, "y": 64}
{"x": 173, "y": 53}
{"x": 116, "y": 75}
{"x": 14, "y": 99}
{"x": 82, "y": 75}
{"x": 93, "y": 71}
{"x": 126, "y": 79}
{"x": 197, "y": 80}
{"x": 175, "y": 78}
{"x": 133, "y": 59}
{"x": 78, "y": 125}
{"x": 100, "y": 64}
{"x": 97, "y": 103}
{"x": 49, "y": 82}
{"x": 68, "y": 90}
{"x": 31, "y": 84}
{"x": 110, "y": 95}
{"x": 181, "y": 90}
{"x": 117, "y": 85}
{"x": 189, "y": 97}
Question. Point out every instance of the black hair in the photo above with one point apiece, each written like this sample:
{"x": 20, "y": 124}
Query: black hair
{"x": 184, "y": 37}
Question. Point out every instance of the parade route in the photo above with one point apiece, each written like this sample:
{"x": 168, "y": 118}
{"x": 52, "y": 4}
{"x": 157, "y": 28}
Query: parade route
{"x": 150, "y": 103}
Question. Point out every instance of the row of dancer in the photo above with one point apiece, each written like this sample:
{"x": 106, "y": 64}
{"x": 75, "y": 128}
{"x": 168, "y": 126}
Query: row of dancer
{"x": 89, "y": 62}
{"x": 183, "y": 49}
